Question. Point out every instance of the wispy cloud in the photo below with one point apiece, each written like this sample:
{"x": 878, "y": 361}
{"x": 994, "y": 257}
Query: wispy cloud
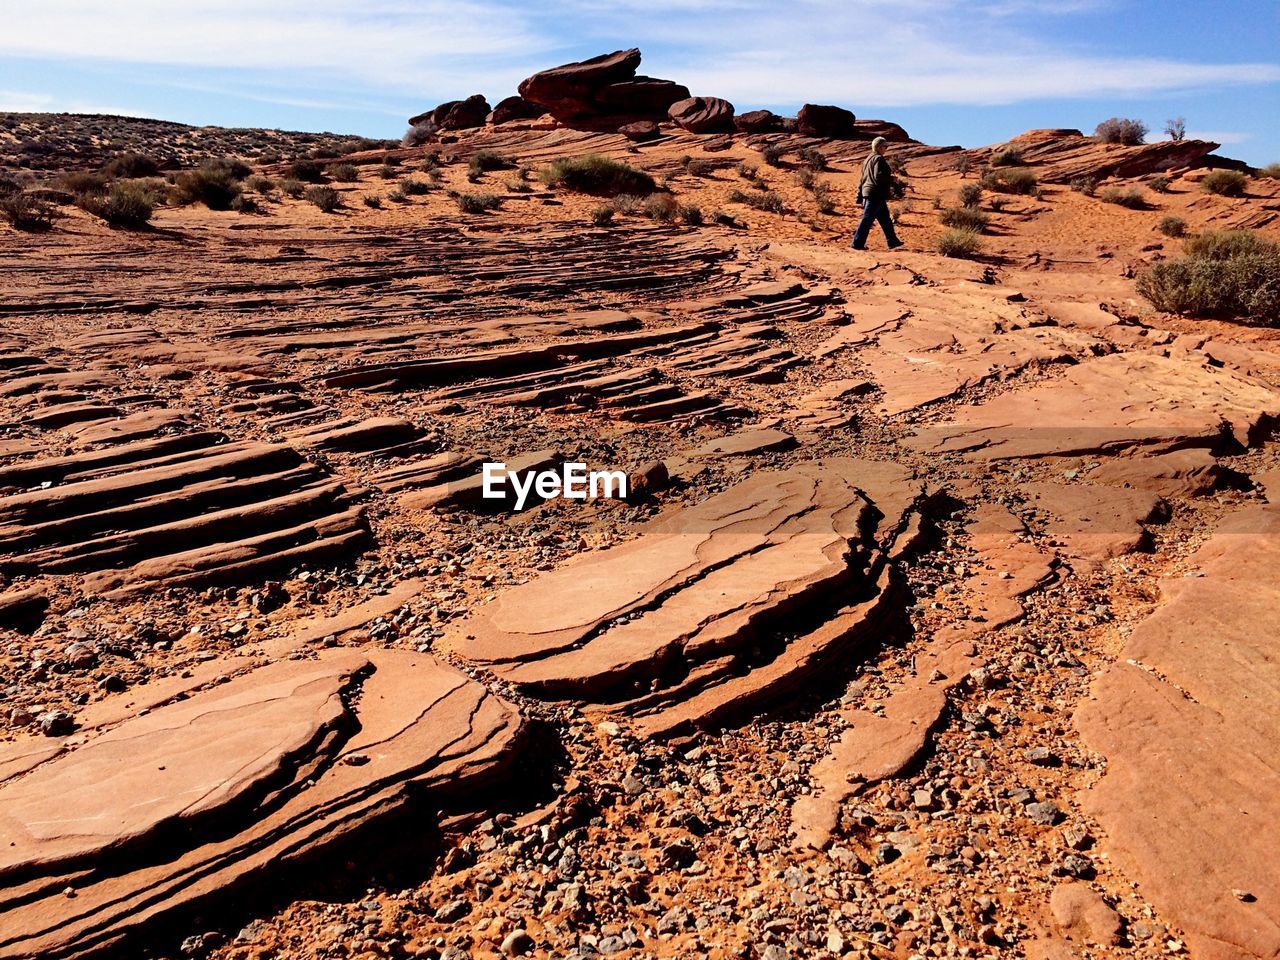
{"x": 756, "y": 52}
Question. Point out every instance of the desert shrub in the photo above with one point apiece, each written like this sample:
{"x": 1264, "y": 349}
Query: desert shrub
{"x": 691, "y": 215}
{"x": 25, "y": 212}
{"x": 964, "y": 218}
{"x": 432, "y": 161}
{"x": 748, "y": 171}
{"x": 259, "y": 184}
{"x": 388, "y": 171}
{"x": 626, "y": 203}
{"x": 696, "y": 167}
{"x": 372, "y": 202}
{"x": 1159, "y": 183}
{"x": 1132, "y": 198}
{"x": 344, "y": 173}
{"x": 126, "y": 204}
{"x": 815, "y": 159}
{"x": 602, "y": 215}
{"x": 131, "y": 166}
{"x": 765, "y": 200}
{"x": 598, "y": 175}
{"x": 1009, "y": 180}
{"x": 1006, "y": 157}
{"x": 324, "y": 153}
{"x": 244, "y": 204}
{"x": 662, "y": 207}
{"x": 773, "y": 153}
{"x": 1271, "y": 170}
{"x": 516, "y": 185}
{"x": 213, "y": 183}
{"x": 292, "y": 188}
{"x": 824, "y": 198}
{"x": 324, "y": 197}
{"x": 413, "y": 187}
{"x": 1172, "y": 226}
{"x": 478, "y": 202}
{"x": 806, "y": 179}
{"x": 963, "y": 164}
{"x": 970, "y": 194}
{"x": 81, "y": 183}
{"x": 484, "y": 161}
{"x": 1086, "y": 185}
{"x": 959, "y": 243}
{"x": 1227, "y": 273}
{"x": 1176, "y": 128}
{"x": 1121, "y": 130}
{"x": 1225, "y": 183}
{"x": 308, "y": 171}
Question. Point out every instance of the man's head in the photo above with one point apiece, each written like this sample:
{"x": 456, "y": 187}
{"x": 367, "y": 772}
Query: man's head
{"x": 879, "y": 145}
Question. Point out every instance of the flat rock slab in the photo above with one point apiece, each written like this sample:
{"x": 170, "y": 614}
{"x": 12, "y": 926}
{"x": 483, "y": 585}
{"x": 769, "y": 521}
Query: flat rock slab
{"x": 1109, "y": 405}
{"x": 716, "y": 607}
{"x": 1188, "y": 722}
{"x": 1097, "y": 522}
{"x": 165, "y": 812}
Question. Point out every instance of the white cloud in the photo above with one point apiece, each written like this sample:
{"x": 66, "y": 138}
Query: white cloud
{"x": 1220, "y": 136}
{"x": 881, "y": 53}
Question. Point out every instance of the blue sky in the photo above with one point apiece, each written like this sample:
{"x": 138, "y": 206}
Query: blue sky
{"x": 951, "y": 72}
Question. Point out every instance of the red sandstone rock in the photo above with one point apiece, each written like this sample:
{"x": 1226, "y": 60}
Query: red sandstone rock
{"x": 703, "y": 114}
{"x": 820, "y": 120}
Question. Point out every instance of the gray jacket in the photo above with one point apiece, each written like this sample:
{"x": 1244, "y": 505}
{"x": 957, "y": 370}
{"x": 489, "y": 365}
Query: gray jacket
{"x": 877, "y": 179}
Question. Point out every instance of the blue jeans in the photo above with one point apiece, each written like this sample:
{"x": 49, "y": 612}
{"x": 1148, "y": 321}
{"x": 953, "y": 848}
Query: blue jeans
{"x": 873, "y": 210}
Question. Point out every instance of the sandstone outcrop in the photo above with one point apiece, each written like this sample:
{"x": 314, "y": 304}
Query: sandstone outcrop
{"x": 703, "y": 114}
{"x": 825, "y": 120}
{"x": 603, "y": 92}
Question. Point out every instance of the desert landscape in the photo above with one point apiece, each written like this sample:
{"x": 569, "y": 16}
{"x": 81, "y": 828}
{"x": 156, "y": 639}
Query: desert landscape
{"x": 938, "y": 620}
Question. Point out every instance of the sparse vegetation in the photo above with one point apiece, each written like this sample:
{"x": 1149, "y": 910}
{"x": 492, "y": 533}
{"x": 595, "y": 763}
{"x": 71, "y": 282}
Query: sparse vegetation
{"x": 215, "y": 183}
{"x": 324, "y": 197}
{"x": 292, "y": 188}
{"x": 691, "y": 215}
{"x": 344, "y": 173}
{"x": 597, "y": 175}
{"x": 815, "y": 159}
{"x": 1271, "y": 170}
{"x": 79, "y": 183}
{"x": 773, "y": 153}
{"x": 662, "y": 207}
{"x": 131, "y": 165}
{"x": 516, "y": 185}
{"x": 765, "y": 200}
{"x": 963, "y": 164}
{"x": 308, "y": 171}
{"x": 1086, "y": 185}
{"x": 25, "y": 212}
{"x": 126, "y": 204}
{"x": 1224, "y": 273}
{"x": 970, "y": 194}
{"x": 748, "y": 171}
{"x": 1172, "y": 226}
{"x": 478, "y": 202}
{"x": 964, "y": 218}
{"x": 259, "y": 184}
{"x": 413, "y": 187}
{"x": 1009, "y": 180}
{"x": 1006, "y": 157}
{"x": 1121, "y": 130}
{"x": 602, "y": 216}
{"x": 824, "y": 198}
{"x": 961, "y": 244}
{"x": 372, "y": 201}
{"x": 1159, "y": 183}
{"x": 1225, "y": 183}
{"x": 1131, "y": 198}
{"x": 695, "y": 167}
{"x": 1176, "y": 129}
{"x": 486, "y": 161}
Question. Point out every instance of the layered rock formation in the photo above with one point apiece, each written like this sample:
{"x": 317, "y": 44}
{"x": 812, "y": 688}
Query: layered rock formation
{"x": 603, "y": 92}
{"x": 718, "y": 609}
{"x": 453, "y": 115}
{"x": 825, "y": 120}
{"x": 164, "y": 813}
{"x": 703, "y": 114}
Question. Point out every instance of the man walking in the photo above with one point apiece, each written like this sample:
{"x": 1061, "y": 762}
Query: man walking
{"x": 873, "y": 192}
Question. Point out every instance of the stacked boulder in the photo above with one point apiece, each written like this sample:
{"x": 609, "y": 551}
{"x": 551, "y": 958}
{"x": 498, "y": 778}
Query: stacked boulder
{"x": 515, "y": 108}
{"x": 450, "y": 115}
{"x": 603, "y": 93}
{"x": 702, "y": 114}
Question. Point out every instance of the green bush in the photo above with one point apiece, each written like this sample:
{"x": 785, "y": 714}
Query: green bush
{"x": 1133, "y": 198}
{"x": 597, "y": 175}
{"x": 602, "y": 215}
{"x": 815, "y": 159}
{"x": 691, "y": 215}
{"x": 1006, "y": 157}
{"x": 344, "y": 173}
{"x": 483, "y": 161}
{"x": 131, "y": 166}
{"x": 478, "y": 202}
{"x": 964, "y": 218}
{"x": 959, "y": 243}
{"x": 1009, "y": 180}
{"x": 1271, "y": 170}
{"x": 1228, "y": 273}
{"x": 126, "y": 204}
{"x": 765, "y": 200}
{"x": 1172, "y": 226}
{"x": 1121, "y": 130}
{"x": 962, "y": 164}
{"x": 308, "y": 171}
{"x": 326, "y": 198}
{"x": 773, "y": 153}
{"x": 1225, "y": 183}
{"x": 25, "y": 212}
{"x": 213, "y": 183}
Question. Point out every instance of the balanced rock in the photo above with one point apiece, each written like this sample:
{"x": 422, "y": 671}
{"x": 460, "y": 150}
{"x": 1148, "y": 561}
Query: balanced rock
{"x": 703, "y": 114}
{"x": 603, "y": 92}
{"x": 515, "y": 108}
{"x": 239, "y": 783}
{"x": 640, "y": 131}
{"x": 718, "y": 609}
{"x": 455, "y": 114}
{"x": 824, "y": 120}
{"x": 758, "y": 121}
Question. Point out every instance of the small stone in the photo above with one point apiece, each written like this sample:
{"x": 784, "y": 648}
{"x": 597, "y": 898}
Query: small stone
{"x": 1244, "y": 896}
{"x": 516, "y": 942}
{"x": 56, "y": 723}
{"x": 774, "y": 952}
{"x": 453, "y": 911}
{"x": 1044, "y": 813}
